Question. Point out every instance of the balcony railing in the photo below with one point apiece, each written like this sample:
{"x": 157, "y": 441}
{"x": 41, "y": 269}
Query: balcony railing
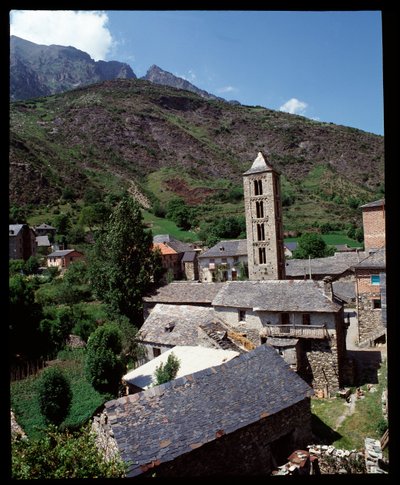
{"x": 295, "y": 331}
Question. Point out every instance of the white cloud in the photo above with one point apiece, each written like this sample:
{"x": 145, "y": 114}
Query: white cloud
{"x": 294, "y": 106}
{"x": 227, "y": 89}
{"x": 85, "y": 30}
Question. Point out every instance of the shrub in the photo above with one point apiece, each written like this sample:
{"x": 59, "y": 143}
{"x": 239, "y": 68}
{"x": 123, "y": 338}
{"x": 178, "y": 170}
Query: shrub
{"x": 55, "y": 395}
{"x": 104, "y": 367}
{"x": 63, "y": 455}
{"x": 167, "y": 372}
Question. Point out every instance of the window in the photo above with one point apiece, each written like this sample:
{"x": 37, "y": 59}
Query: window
{"x": 258, "y": 187}
{"x": 261, "y": 256}
{"x": 263, "y": 340}
{"x": 242, "y": 315}
{"x": 376, "y": 304}
{"x": 260, "y": 232}
{"x": 306, "y": 319}
{"x": 375, "y": 279}
{"x": 260, "y": 209}
{"x": 285, "y": 319}
{"x": 156, "y": 352}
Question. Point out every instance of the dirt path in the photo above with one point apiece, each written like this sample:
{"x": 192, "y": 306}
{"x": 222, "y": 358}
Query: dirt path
{"x": 351, "y": 407}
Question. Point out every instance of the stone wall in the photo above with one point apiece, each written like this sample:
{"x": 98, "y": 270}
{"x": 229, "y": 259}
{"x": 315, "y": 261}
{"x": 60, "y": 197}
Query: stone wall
{"x": 369, "y": 320}
{"x": 190, "y": 271}
{"x": 320, "y": 366}
{"x": 254, "y": 450}
{"x": 374, "y": 227}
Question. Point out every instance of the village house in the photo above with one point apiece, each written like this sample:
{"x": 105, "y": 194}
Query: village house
{"x": 170, "y": 325}
{"x": 373, "y": 215}
{"x": 182, "y": 293}
{"x": 241, "y": 418}
{"x": 191, "y": 359}
{"x": 301, "y": 319}
{"x": 371, "y": 304}
{"x": 21, "y": 241}
{"x": 226, "y": 261}
{"x": 45, "y": 230}
{"x": 371, "y": 276}
{"x": 63, "y": 258}
{"x": 178, "y": 258}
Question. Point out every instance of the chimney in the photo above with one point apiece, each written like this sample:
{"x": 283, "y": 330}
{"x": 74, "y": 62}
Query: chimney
{"x": 328, "y": 289}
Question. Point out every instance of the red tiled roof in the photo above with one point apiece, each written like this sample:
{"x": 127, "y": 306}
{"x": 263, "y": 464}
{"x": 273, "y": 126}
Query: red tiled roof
{"x": 164, "y": 248}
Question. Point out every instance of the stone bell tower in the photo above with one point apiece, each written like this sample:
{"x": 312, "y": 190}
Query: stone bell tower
{"x": 263, "y": 209}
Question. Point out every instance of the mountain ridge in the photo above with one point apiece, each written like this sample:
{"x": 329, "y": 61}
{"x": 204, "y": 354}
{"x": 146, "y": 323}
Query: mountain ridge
{"x": 169, "y": 142}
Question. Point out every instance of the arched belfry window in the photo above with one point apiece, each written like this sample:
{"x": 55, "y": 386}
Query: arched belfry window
{"x": 260, "y": 209}
{"x": 262, "y": 256}
{"x": 260, "y": 232}
{"x": 258, "y": 187}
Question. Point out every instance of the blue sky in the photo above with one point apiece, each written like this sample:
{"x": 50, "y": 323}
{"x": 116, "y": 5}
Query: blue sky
{"x": 323, "y": 65}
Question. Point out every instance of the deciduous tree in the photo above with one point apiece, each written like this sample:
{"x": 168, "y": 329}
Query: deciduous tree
{"x": 123, "y": 265}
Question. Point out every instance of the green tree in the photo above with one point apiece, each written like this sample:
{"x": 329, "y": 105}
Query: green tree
{"x": 32, "y": 265}
{"x": 62, "y": 223}
{"x": 63, "y": 455}
{"x": 104, "y": 367}
{"x": 123, "y": 266}
{"x": 179, "y": 212}
{"x": 312, "y": 245}
{"x": 16, "y": 266}
{"x": 24, "y": 317}
{"x": 55, "y": 395}
{"x": 167, "y": 372}
{"x": 359, "y": 235}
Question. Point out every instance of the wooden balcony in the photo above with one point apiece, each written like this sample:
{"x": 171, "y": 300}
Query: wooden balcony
{"x": 295, "y": 331}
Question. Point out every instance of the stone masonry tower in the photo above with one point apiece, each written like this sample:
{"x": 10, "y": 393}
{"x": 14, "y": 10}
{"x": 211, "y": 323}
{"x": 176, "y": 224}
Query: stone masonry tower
{"x": 263, "y": 209}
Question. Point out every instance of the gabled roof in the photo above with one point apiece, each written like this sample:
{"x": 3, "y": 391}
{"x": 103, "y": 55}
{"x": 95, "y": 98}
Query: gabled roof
{"x": 191, "y": 359}
{"x": 291, "y": 245}
{"x": 376, "y": 203}
{"x": 182, "y": 319}
{"x": 189, "y": 292}
{"x": 61, "y": 253}
{"x": 189, "y": 256}
{"x": 175, "y": 244}
{"x": 259, "y": 165}
{"x": 376, "y": 260}
{"x": 164, "y": 249}
{"x": 276, "y": 296}
{"x": 170, "y": 420}
{"x": 45, "y": 226}
{"x": 331, "y": 265}
{"x": 224, "y": 249}
{"x": 43, "y": 241}
{"x": 13, "y": 229}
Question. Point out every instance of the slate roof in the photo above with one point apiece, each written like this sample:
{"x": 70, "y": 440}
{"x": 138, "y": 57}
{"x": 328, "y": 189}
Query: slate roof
{"x": 170, "y": 420}
{"x": 259, "y": 165}
{"x": 190, "y": 292}
{"x": 189, "y": 257}
{"x": 345, "y": 290}
{"x": 61, "y": 253}
{"x": 43, "y": 241}
{"x": 376, "y": 259}
{"x": 45, "y": 226}
{"x": 291, "y": 245}
{"x": 191, "y": 359}
{"x": 223, "y": 249}
{"x": 276, "y": 296}
{"x": 183, "y": 318}
{"x": 218, "y": 332}
{"x": 331, "y": 265}
{"x": 13, "y": 229}
{"x": 375, "y": 203}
